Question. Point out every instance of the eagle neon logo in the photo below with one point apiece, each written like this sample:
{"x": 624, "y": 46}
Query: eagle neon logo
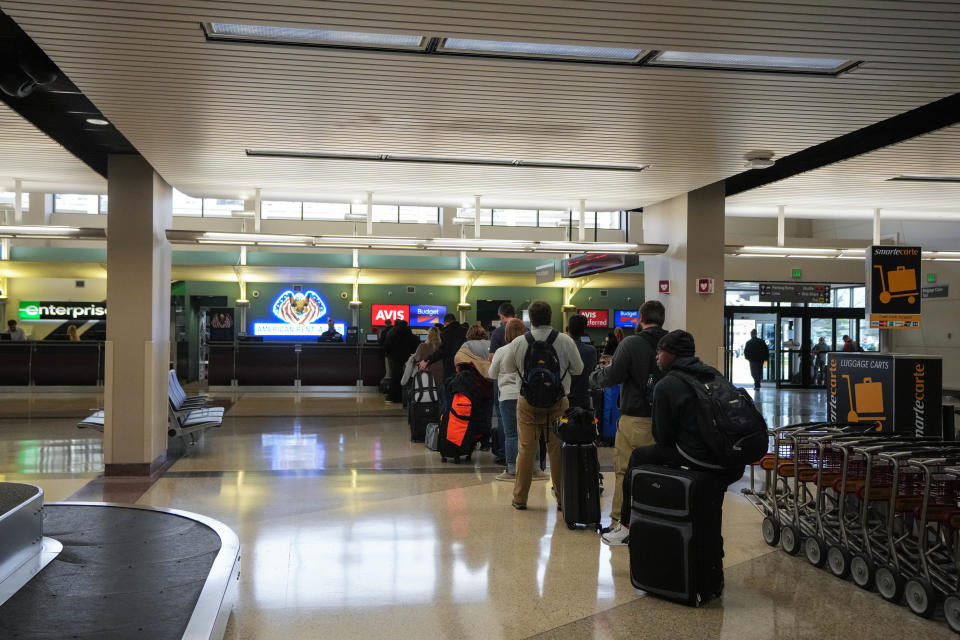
{"x": 299, "y": 311}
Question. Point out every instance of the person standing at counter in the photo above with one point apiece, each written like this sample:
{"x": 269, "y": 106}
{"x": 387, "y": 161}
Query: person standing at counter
{"x": 400, "y": 343}
{"x": 16, "y": 333}
{"x": 426, "y": 349}
{"x": 72, "y": 334}
{"x": 331, "y": 334}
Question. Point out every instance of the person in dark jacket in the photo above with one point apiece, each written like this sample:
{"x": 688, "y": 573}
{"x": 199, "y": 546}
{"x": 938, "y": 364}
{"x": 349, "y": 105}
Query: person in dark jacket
{"x": 452, "y": 337}
{"x": 400, "y": 343}
{"x": 579, "y": 395}
{"x": 610, "y": 344}
{"x": 756, "y": 352}
{"x": 676, "y": 428}
{"x": 633, "y": 367}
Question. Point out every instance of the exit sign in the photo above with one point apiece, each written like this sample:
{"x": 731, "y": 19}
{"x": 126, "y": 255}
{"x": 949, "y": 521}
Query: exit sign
{"x": 931, "y": 277}
{"x": 797, "y": 273}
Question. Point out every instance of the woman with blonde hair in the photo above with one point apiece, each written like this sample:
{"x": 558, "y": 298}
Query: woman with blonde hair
{"x": 72, "y": 334}
{"x": 424, "y": 351}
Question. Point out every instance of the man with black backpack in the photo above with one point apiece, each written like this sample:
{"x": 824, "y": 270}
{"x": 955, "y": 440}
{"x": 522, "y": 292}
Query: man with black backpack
{"x": 634, "y": 367}
{"x": 545, "y": 360}
{"x": 700, "y": 421}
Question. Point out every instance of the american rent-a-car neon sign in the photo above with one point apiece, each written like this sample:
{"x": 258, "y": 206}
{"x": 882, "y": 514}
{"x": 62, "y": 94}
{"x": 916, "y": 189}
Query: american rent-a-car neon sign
{"x": 299, "y": 312}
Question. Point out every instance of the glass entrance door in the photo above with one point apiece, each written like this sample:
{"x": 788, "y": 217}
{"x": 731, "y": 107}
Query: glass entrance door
{"x": 824, "y": 340}
{"x": 739, "y": 326}
{"x": 790, "y": 338}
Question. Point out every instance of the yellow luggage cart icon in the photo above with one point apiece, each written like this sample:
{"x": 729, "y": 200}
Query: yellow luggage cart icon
{"x": 900, "y": 283}
{"x": 865, "y": 398}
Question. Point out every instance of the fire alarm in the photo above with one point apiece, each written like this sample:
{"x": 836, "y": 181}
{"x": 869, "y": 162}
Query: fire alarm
{"x": 704, "y": 285}
{"x": 664, "y": 286}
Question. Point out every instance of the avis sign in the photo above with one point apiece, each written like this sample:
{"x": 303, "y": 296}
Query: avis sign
{"x": 380, "y": 313}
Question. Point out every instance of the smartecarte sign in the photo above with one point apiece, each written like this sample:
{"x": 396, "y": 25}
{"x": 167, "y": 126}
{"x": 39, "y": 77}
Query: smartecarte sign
{"x": 59, "y": 310}
{"x": 893, "y": 287}
{"x": 898, "y": 393}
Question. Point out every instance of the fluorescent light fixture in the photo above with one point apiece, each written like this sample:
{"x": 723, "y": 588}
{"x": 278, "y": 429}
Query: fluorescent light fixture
{"x": 21, "y": 231}
{"x": 487, "y": 162}
{"x": 945, "y": 256}
{"x": 464, "y": 221}
{"x": 925, "y": 178}
{"x": 355, "y": 217}
{"x": 568, "y": 223}
{"x": 100, "y": 122}
{"x": 539, "y": 50}
{"x": 793, "y": 251}
{"x": 243, "y": 214}
{"x": 311, "y": 37}
{"x": 215, "y": 237}
{"x": 742, "y": 62}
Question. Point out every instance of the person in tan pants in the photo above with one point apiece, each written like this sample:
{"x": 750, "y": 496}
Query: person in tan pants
{"x": 634, "y": 367}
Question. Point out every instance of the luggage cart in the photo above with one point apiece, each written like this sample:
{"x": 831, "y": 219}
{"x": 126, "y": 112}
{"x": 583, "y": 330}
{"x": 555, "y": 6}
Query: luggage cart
{"x": 900, "y": 283}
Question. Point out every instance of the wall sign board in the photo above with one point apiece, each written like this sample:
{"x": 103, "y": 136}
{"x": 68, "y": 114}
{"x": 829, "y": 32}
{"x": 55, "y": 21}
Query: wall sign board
{"x": 380, "y": 313}
{"x": 426, "y": 315}
{"x": 596, "y": 318}
{"x": 794, "y": 292}
{"x": 54, "y": 310}
{"x": 893, "y": 287}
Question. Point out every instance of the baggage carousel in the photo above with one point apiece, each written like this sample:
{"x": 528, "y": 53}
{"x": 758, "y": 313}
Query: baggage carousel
{"x": 90, "y": 570}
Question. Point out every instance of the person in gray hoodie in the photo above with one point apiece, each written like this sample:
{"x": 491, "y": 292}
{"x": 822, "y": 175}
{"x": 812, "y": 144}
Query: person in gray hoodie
{"x": 634, "y": 367}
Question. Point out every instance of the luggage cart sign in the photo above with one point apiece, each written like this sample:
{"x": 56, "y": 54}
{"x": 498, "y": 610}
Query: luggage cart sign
{"x": 860, "y": 389}
{"x": 893, "y": 287}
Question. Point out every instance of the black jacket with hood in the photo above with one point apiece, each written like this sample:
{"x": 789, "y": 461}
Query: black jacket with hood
{"x": 631, "y": 366}
{"x": 675, "y": 410}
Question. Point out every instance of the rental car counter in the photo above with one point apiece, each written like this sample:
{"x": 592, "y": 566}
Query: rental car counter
{"x": 288, "y": 364}
{"x": 901, "y": 393}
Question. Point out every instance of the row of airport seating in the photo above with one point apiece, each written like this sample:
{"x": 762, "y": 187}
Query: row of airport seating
{"x": 189, "y": 416}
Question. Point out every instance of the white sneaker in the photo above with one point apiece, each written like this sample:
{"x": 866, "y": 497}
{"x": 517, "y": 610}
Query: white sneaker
{"x": 539, "y": 475}
{"x": 506, "y": 477}
{"x": 617, "y": 536}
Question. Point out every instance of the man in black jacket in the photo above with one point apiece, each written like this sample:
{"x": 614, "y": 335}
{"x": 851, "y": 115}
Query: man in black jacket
{"x": 400, "y": 343}
{"x": 676, "y": 428}
{"x": 756, "y": 352}
{"x": 634, "y": 368}
{"x": 452, "y": 337}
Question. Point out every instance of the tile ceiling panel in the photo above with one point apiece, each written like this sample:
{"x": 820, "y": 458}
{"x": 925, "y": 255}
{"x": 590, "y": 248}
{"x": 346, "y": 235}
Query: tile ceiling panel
{"x": 192, "y": 107}
{"x": 42, "y": 164}
{"x": 855, "y": 187}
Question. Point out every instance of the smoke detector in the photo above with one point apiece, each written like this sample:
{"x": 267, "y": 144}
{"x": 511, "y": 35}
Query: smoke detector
{"x": 759, "y": 159}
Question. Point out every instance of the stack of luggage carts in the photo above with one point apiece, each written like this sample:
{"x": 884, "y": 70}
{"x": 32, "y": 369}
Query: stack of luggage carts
{"x": 882, "y": 509}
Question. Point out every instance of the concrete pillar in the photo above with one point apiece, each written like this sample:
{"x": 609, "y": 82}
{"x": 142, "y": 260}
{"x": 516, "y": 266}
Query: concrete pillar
{"x": 693, "y": 225}
{"x": 138, "y": 318}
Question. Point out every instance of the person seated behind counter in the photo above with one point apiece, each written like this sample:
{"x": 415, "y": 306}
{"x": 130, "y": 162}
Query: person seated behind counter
{"x": 331, "y": 334}
{"x": 16, "y": 333}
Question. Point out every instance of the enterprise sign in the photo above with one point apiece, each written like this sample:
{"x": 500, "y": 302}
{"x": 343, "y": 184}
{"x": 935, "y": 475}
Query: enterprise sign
{"x": 59, "y": 310}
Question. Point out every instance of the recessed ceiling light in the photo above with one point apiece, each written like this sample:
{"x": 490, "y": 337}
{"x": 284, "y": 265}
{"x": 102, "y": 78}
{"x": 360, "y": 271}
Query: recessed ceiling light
{"x": 321, "y": 37}
{"x": 97, "y": 121}
{"x": 735, "y": 61}
{"x": 926, "y": 178}
{"x": 539, "y": 50}
{"x": 486, "y": 162}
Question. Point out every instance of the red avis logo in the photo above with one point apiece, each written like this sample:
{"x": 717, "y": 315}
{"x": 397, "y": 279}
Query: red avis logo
{"x": 391, "y": 312}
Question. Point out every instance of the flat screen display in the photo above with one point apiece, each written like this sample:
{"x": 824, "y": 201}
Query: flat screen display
{"x": 596, "y": 318}
{"x": 425, "y": 315}
{"x": 380, "y": 313}
{"x": 628, "y": 319}
{"x": 585, "y": 264}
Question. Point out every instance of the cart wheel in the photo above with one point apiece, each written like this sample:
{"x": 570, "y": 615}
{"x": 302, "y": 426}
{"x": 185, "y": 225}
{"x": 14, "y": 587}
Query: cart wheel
{"x": 889, "y": 584}
{"x": 919, "y": 597}
{"x": 816, "y": 551}
{"x": 442, "y": 459}
{"x": 862, "y": 571}
{"x": 838, "y": 561}
{"x": 770, "y": 531}
{"x": 951, "y": 611}
{"x": 571, "y": 526}
{"x": 790, "y": 539}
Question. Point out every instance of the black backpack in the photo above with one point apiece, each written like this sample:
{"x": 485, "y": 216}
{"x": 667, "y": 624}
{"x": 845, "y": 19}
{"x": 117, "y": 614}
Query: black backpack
{"x": 542, "y": 382}
{"x": 731, "y": 427}
{"x": 576, "y": 426}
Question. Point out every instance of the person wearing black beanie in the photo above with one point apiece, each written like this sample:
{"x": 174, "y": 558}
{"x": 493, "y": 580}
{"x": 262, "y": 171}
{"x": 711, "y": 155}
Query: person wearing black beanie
{"x": 676, "y": 428}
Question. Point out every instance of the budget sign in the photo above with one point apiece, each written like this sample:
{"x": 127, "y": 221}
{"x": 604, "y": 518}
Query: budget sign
{"x": 424, "y": 315}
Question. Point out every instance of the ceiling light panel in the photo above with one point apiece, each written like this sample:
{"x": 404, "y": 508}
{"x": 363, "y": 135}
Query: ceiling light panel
{"x": 539, "y": 50}
{"x": 316, "y": 37}
{"x": 828, "y": 66}
{"x": 926, "y": 178}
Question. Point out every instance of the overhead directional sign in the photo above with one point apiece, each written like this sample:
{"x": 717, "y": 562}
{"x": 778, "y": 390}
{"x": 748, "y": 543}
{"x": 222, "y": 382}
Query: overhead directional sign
{"x": 794, "y": 292}
{"x": 893, "y": 287}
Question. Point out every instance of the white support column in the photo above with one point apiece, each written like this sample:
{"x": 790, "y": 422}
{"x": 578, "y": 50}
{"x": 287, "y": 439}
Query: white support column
{"x": 781, "y": 226}
{"x": 581, "y": 216}
{"x": 256, "y": 210}
{"x": 369, "y": 213}
{"x": 18, "y": 201}
{"x": 876, "y": 226}
{"x": 476, "y": 216}
{"x": 138, "y": 320}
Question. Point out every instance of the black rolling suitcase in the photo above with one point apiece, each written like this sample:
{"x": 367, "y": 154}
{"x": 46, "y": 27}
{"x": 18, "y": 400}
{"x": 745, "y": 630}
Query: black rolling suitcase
{"x": 676, "y": 550}
{"x": 420, "y": 414}
{"x": 581, "y": 485}
{"x": 384, "y": 386}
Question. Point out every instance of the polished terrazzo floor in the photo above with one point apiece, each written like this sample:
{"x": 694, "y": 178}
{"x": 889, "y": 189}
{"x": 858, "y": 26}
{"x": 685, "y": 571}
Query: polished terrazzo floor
{"x": 350, "y": 530}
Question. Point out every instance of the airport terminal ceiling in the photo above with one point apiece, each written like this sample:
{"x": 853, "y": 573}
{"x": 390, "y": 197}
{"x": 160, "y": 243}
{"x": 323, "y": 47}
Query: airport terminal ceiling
{"x": 192, "y": 107}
